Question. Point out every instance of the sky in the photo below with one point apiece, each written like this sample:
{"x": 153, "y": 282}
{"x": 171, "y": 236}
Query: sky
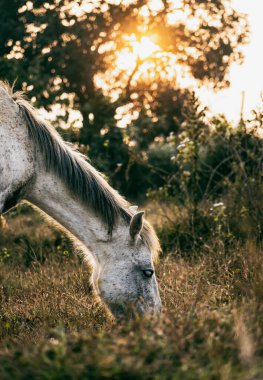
{"x": 247, "y": 77}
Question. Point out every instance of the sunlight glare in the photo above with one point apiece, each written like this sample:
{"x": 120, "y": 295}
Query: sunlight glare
{"x": 145, "y": 47}
{"x": 155, "y": 5}
{"x": 141, "y": 49}
{"x": 126, "y": 60}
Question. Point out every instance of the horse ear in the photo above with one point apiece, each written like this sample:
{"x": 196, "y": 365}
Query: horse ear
{"x": 133, "y": 209}
{"x": 136, "y": 224}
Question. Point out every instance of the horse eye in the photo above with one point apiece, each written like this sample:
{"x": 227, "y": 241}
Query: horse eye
{"x": 148, "y": 272}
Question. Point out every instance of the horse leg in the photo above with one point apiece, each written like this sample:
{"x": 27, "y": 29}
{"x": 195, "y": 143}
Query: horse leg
{"x": 16, "y": 173}
{"x": 11, "y": 196}
{"x": 13, "y": 186}
{"x": 4, "y": 192}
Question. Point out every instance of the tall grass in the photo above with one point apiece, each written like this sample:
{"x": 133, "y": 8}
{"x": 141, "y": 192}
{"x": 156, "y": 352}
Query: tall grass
{"x": 53, "y": 327}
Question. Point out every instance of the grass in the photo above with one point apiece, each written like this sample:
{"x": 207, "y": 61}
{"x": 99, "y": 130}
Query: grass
{"x": 52, "y": 326}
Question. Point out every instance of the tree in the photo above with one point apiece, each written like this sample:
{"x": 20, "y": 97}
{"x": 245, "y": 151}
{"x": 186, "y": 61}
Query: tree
{"x": 58, "y": 50}
{"x": 63, "y": 47}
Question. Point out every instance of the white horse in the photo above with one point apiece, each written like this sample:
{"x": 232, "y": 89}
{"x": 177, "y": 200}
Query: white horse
{"x": 36, "y": 165}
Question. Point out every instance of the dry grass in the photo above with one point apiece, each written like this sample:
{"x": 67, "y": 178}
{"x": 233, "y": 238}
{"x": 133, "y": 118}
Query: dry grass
{"x": 51, "y": 327}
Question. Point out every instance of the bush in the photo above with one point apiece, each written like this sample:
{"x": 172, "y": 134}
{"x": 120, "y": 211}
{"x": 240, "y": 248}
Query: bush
{"x": 214, "y": 185}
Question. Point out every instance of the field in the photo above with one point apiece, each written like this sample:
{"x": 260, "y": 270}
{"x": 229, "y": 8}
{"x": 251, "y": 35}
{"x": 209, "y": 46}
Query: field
{"x": 151, "y": 93}
{"x": 52, "y": 326}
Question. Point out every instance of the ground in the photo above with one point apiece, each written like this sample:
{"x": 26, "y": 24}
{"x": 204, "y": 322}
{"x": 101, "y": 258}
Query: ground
{"x": 53, "y": 327}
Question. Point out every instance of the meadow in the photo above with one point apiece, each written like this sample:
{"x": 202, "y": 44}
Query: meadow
{"x": 117, "y": 79}
{"x": 53, "y": 327}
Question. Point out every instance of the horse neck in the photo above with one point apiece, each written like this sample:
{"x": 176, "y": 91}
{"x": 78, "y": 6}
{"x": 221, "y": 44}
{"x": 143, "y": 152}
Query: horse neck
{"x": 52, "y": 196}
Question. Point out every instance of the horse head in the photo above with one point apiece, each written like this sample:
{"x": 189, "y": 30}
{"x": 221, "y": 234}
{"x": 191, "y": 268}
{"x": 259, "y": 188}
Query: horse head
{"x": 125, "y": 277}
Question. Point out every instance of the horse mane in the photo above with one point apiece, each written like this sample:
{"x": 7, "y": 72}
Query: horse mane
{"x": 82, "y": 179}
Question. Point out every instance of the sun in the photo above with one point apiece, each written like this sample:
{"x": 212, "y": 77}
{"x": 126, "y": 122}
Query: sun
{"x": 140, "y": 49}
{"x": 145, "y": 47}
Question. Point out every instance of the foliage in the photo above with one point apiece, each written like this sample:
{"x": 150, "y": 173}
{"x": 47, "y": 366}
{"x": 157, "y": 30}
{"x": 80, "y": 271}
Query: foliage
{"x": 63, "y": 40}
{"x": 214, "y": 187}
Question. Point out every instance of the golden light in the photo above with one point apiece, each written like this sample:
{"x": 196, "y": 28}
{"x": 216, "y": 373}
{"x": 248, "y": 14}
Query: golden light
{"x": 145, "y": 47}
{"x": 140, "y": 49}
